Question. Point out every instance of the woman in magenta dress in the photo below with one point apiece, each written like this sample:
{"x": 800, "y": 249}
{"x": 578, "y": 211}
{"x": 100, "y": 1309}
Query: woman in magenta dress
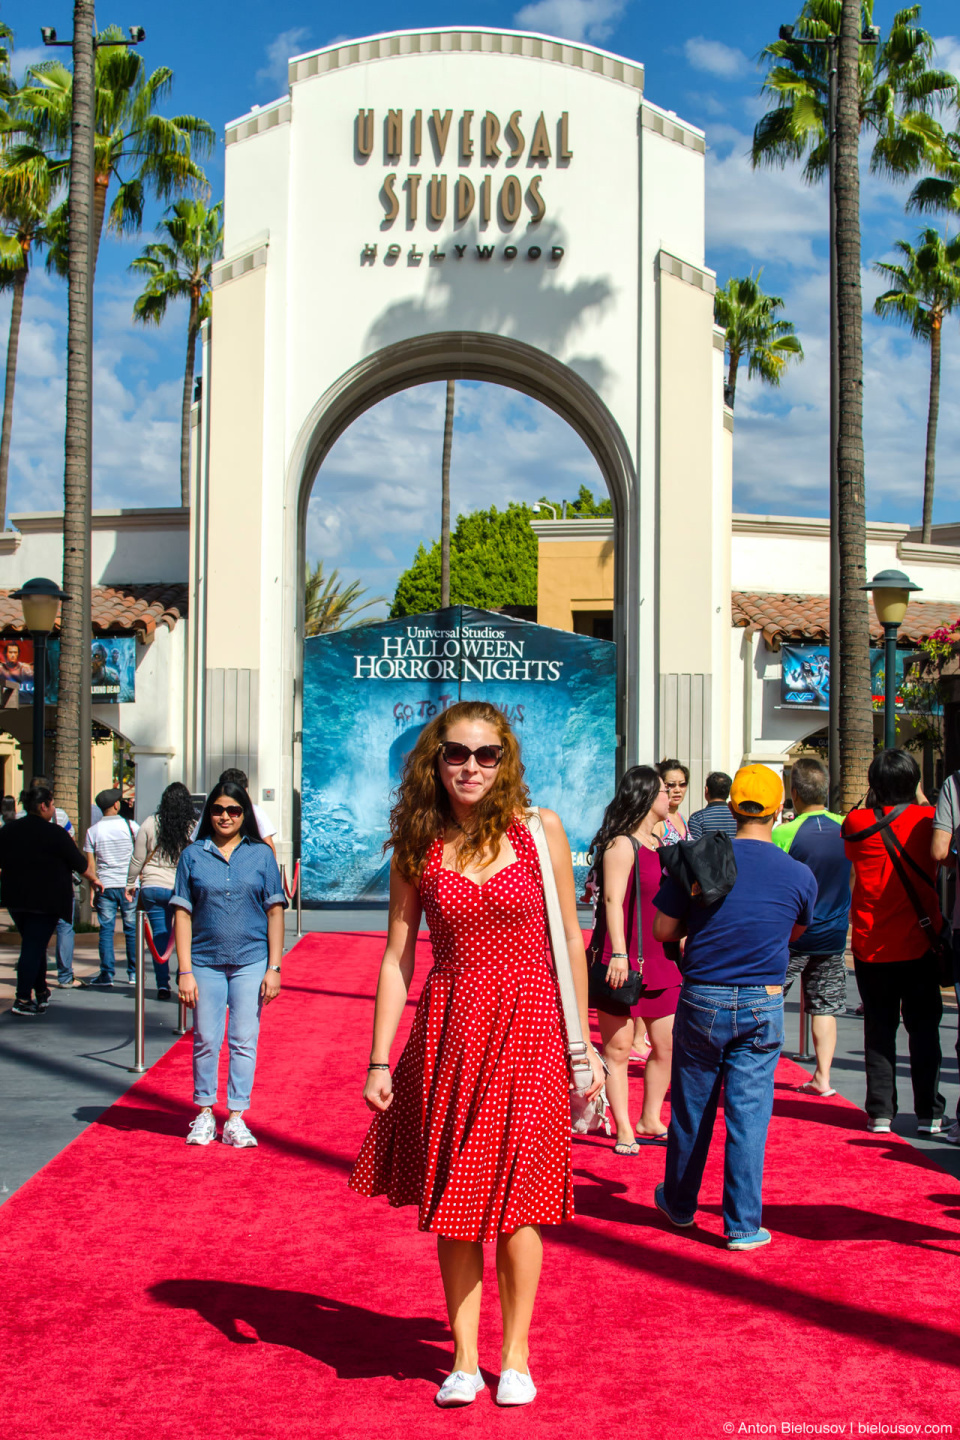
{"x": 473, "y": 1124}
{"x": 627, "y": 839}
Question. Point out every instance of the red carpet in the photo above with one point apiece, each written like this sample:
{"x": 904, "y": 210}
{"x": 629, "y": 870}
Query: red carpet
{"x": 155, "y": 1290}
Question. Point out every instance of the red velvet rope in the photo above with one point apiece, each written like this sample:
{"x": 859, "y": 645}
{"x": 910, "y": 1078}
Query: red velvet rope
{"x": 291, "y": 890}
{"x": 148, "y": 933}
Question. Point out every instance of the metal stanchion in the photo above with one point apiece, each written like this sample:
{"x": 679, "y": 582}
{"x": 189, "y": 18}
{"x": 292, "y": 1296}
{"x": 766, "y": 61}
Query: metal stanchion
{"x": 182, "y": 1026}
{"x": 299, "y": 907}
{"x": 804, "y": 1052}
{"x": 139, "y": 1010}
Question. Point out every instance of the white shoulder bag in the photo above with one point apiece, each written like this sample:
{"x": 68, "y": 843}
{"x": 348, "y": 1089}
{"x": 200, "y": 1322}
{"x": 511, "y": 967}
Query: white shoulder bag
{"x": 580, "y": 1067}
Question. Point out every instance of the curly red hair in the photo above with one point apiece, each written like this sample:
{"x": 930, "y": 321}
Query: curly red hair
{"x": 422, "y": 810}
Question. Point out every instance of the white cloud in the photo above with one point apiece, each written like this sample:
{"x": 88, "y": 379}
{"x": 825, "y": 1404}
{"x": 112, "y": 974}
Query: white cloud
{"x": 24, "y": 56}
{"x": 287, "y": 43}
{"x": 760, "y": 213}
{"x": 573, "y": 19}
{"x": 947, "y": 55}
{"x": 724, "y": 61}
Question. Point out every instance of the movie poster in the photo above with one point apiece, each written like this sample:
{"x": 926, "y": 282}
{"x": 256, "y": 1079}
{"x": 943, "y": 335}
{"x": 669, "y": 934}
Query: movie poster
{"x": 805, "y": 676}
{"x": 113, "y": 670}
{"x": 16, "y": 673}
{"x": 369, "y": 691}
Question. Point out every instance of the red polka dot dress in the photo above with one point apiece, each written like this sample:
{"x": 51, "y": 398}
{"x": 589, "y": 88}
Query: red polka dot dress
{"x": 478, "y": 1135}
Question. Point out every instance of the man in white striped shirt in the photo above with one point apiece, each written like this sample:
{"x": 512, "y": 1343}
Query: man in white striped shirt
{"x": 110, "y": 843}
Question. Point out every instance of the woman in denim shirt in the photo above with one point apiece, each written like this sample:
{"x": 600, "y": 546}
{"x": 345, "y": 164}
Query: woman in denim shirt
{"x": 229, "y": 904}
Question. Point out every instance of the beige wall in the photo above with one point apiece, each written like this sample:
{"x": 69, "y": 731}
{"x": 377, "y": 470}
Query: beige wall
{"x": 687, "y": 519}
{"x": 573, "y": 575}
{"x": 234, "y": 523}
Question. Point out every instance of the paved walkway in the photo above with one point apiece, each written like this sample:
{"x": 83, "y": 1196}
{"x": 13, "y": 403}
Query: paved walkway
{"x": 60, "y": 1071}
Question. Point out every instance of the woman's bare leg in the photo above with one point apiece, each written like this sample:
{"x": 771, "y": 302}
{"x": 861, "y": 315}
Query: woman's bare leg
{"x": 656, "y": 1076}
{"x": 461, "y": 1269}
{"x": 616, "y": 1032}
{"x": 519, "y": 1258}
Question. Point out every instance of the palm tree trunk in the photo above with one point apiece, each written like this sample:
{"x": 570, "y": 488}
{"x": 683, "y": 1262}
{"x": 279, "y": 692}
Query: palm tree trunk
{"x": 13, "y": 343}
{"x": 101, "y": 185}
{"x": 73, "y": 728}
{"x": 933, "y": 415}
{"x": 856, "y": 712}
{"x": 445, "y": 498}
{"x": 731, "y": 394}
{"x": 192, "y": 328}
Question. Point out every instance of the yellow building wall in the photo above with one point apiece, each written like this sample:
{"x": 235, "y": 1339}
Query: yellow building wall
{"x": 573, "y": 575}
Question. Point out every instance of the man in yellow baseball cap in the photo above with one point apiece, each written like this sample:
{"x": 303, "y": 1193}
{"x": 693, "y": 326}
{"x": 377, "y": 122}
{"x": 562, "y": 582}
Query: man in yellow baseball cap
{"x": 729, "y": 1023}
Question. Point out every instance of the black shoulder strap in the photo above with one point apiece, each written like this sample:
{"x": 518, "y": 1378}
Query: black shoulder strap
{"x": 636, "y": 891}
{"x": 893, "y": 845}
{"x": 880, "y": 824}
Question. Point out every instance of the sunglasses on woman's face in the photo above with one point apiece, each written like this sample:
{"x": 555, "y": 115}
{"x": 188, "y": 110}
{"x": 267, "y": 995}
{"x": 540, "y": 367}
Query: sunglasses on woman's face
{"x": 232, "y": 810}
{"x": 486, "y": 756}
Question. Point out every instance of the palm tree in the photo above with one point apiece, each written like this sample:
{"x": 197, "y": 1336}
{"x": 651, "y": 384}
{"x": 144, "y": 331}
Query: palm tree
{"x": 329, "y": 605}
{"x": 73, "y": 703}
{"x": 180, "y": 269}
{"x": 141, "y": 151}
{"x": 889, "y": 90}
{"x": 751, "y": 328}
{"x": 445, "y": 497}
{"x": 25, "y": 188}
{"x": 940, "y": 191}
{"x": 925, "y": 289}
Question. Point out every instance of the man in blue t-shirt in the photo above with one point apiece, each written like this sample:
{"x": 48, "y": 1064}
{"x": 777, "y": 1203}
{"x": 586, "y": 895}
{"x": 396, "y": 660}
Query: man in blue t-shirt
{"x": 818, "y": 956}
{"x": 729, "y": 1025}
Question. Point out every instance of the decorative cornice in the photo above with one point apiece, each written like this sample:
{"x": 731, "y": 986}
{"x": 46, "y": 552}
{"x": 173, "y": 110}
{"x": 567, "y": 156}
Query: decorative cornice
{"x": 50, "y": 522}
{"x": 917, "y": 554}
{"x": 794, "y": 525}
{"x": 400, "y": 44}
{"x": 239, "y": 265}
{"x": 719, "y": 338}
{"x": 258, "y": 121}
{"x": 705, "y": 280}
{"x": 9, "y": 541}
{"x": 667, "y": 124}
{"x": 594, "y": 527}
{"x": 728, "y": 419}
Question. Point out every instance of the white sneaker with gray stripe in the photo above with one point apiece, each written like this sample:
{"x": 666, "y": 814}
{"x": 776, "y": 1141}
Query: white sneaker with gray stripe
{"x": 235, "y": 1132}
{"x": 203, "y": 1129}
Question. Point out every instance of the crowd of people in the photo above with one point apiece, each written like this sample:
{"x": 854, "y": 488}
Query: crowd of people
{"x": 702, "y": 926}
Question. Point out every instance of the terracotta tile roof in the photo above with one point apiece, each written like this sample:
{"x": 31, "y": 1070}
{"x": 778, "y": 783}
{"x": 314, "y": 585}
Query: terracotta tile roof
{"x": 806, "y": 618}
{"x": 140, "y": 608}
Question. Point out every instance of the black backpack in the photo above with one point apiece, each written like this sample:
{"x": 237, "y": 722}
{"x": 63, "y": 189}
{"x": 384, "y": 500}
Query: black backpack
{"x": 704, "y": 869}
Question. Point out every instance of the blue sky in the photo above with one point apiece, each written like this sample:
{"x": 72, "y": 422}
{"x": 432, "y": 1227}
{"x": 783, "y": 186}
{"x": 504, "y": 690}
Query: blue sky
{"x": 700, "y": 61}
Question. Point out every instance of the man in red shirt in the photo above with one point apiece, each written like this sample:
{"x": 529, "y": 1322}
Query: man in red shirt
{"x": 896, "y": 972}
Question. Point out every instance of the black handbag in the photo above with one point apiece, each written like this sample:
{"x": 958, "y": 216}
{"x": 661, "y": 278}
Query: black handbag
{"x": 602, "y": 996}
{"x": 938, "y": 940}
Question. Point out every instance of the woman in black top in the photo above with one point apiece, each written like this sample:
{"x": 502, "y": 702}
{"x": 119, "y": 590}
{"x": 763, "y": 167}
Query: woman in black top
{"x": 37, "y": 862}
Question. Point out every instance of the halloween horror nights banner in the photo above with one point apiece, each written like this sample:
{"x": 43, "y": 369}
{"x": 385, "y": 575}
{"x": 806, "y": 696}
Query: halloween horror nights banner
{"x": 369, "y": 691}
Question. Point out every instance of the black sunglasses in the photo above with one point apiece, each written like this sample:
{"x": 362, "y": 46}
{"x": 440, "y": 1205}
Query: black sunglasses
{"x": 232, "y": 810}
{"x": 486, "y": 756}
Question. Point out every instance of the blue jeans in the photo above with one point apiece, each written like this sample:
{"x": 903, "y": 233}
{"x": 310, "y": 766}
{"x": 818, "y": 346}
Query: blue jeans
{"x": 108, "y": 903}
{"x": 155, "y": 901}
{"x": 65, "y": 947}
{"x": 236, "y": 986}
{"x": 727, "y": 1035}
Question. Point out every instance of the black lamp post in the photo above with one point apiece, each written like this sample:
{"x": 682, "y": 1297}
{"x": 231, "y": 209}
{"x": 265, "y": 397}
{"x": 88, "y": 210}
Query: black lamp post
{"x": 891, "y": 596}
{"x": 40, "y": 601}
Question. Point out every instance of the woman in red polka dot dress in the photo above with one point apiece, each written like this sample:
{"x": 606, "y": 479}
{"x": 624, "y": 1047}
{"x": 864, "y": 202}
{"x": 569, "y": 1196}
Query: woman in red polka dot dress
{"x": 473, "y": 1126}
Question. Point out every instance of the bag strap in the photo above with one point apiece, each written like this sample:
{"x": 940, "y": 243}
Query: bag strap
{"x": 636, "y": 892}
{"x": 880, "y": 824}
{"x": 576, "y": 1046}
{"x": 892, "y": 844}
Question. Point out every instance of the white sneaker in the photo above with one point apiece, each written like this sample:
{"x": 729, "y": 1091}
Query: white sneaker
{"x": 460, "y": 1388}
{"x": 203, "y": 1129}
{"x": 930, "y": 1127}
{"x": 515, "y": 1389}
{"x": 235, "y": 1132}
{"x": 880, "y": 1126}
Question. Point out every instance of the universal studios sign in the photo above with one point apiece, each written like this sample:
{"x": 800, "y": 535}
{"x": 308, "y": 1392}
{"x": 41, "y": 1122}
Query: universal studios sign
{"x": 415, "y": 197}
